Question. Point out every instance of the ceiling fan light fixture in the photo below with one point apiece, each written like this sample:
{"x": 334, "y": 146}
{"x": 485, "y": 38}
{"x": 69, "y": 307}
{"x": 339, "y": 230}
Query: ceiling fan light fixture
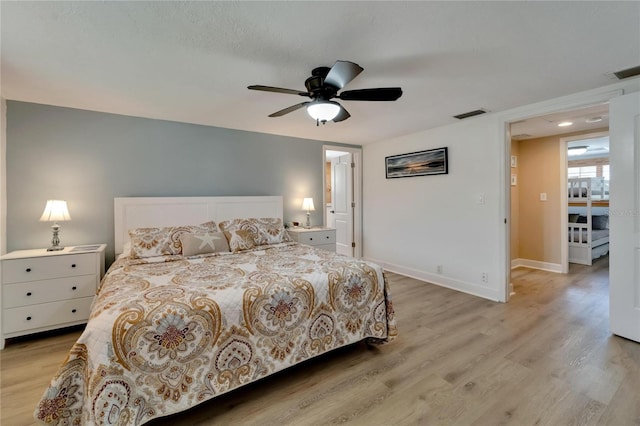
{"x": 577, "y": 150}
{"x": 323, "y": 110}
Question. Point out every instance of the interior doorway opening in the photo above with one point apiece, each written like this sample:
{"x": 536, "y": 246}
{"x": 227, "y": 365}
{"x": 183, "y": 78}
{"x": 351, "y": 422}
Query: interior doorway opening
{"x": 342, "y": 197}
{"x": 537, "y": 184}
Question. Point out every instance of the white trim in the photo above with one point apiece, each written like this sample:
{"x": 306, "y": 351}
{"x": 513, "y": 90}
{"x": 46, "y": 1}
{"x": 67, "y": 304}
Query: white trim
{"x": 439, "y": 280}
{"x": 357, "y": 191}
{"x": 142, "y": 212}
{"x": 535, "y": 264}
{"x": 3, "y": 176}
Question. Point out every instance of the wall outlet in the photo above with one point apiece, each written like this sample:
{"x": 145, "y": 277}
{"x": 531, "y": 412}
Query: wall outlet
{"x": 485, "y": 277}
{"x": 439, "y": 269}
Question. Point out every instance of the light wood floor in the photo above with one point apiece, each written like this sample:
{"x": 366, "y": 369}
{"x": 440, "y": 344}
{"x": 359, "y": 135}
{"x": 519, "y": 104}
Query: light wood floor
{"x": 545, "y": 358}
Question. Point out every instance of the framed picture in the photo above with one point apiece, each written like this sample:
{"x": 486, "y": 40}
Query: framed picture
{"x": 430, "y": 162}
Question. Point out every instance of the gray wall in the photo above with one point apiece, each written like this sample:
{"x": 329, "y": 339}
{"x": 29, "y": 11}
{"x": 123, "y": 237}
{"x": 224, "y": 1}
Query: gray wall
{"x": 88, "y": 158}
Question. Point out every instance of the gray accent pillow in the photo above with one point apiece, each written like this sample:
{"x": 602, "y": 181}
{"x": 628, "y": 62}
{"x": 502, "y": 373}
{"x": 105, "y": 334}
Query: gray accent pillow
{"x": 599, "y": 222}
{"x": 573, "y": 217}
{"x": 209, "y": 242}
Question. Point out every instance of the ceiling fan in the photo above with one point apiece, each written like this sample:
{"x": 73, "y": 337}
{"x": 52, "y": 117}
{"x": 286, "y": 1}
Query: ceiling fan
{"x": 323, "y": 85}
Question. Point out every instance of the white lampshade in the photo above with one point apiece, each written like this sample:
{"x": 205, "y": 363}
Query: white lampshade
{"x": 307, "y": 204}
{"x": 54, "y": 211}
{"x": 323, "y": 110}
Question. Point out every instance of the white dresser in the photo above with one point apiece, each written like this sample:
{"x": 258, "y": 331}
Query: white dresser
{"x": 322, "y": 238}
{"x": 44, "y": 290}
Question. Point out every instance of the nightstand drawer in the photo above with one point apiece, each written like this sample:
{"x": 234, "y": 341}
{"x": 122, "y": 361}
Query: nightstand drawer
{"x": 40, "y": 268}
{"x": 46, "y": 314}
{"x": 317, "y": 237}
{"x": 34, "y": 292}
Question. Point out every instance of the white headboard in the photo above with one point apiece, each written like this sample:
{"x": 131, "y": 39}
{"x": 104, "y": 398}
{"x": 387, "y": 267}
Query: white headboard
{"x": 142, "y": 212}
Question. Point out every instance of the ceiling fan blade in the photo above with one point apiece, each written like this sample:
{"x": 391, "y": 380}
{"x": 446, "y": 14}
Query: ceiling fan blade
{"x": 277, "y": 90}
{"x": 380, "y": 94}
{"x": 341, "y": 73}
{"x": 288, "y": 110}
{"x": 342, "y": 115}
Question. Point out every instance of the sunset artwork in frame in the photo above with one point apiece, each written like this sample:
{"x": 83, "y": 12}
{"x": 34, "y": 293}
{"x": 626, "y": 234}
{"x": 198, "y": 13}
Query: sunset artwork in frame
{"x": 422, "y": 163}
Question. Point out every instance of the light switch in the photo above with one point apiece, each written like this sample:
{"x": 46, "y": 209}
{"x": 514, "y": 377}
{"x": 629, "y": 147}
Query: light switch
{"x": 543, "y": 196}
{"x": 481, "y": 198}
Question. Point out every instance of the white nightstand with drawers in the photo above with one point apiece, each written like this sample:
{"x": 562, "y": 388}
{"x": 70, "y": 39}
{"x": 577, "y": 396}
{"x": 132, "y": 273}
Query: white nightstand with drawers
{"x": 322, "y": 238}
{"x": 44, "y": 290}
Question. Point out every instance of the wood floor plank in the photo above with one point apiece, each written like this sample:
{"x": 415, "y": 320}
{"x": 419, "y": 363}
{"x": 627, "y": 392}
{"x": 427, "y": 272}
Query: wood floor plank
{"x": 547, "y": 357}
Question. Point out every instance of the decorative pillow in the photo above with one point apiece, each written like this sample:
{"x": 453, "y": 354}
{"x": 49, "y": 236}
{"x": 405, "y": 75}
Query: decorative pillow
{"x": 209, "y": 242}
{"x": 268, "y": 230}
{"x": 239, "y": 240}
{"x": 150, "y": 242}
{"x": 582, "y": 219}
{"x": 573, "y": 217}
{"x": 126, "y": 249}
{"x": 599, "y": 222}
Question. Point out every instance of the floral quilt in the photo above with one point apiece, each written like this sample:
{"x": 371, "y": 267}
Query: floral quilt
{"x": 170, "y": 332}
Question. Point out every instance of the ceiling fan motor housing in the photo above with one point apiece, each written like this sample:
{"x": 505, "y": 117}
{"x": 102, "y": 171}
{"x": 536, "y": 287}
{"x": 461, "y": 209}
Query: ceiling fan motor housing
{"x": 316, "y": 85}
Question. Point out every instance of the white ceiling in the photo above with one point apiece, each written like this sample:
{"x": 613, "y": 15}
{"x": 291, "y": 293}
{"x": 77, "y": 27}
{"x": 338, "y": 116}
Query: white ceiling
{"x": 191, "y": 61}
{"x": 582, "y": 119}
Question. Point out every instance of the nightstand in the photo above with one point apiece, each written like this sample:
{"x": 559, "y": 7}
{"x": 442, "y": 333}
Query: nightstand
{"x": 322, "y": 238}
{"x": 44, "y": 290}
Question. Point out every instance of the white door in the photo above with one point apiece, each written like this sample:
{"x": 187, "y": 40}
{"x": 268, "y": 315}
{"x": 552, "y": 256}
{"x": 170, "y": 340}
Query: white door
{"x": 342, "y": 198}
{"x": 624, "y": 214}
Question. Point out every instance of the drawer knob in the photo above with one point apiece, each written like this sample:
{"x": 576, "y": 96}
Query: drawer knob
{"x": 327, "y": 237}
{"x": 28, "y": 269}
{"x": 73, "y": 265}
{"x": 28, "y": 293}
{"x": 73, "y": 311}
{"x": 28, "y": 318}
{"x": 310, "y": 238}
{"x": 74, "y": 288}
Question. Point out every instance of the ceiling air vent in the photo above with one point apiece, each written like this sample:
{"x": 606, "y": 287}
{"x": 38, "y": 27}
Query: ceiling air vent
{"x": 470, "y": 114}
{"x": 629, "y": 72}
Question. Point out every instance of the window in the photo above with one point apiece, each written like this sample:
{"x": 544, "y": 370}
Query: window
{"x": 584, "y": 172}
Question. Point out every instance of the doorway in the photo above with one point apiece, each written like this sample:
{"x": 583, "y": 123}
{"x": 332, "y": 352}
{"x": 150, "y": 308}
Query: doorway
{"x": 342, "y": 197}
{"x": 536, "y": 182}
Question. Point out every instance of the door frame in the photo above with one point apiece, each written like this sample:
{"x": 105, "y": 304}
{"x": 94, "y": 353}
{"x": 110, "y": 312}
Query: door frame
{"x": 564, "y": 191}
{"x": 567, "y": 103}
{"x": 357, "y": 192}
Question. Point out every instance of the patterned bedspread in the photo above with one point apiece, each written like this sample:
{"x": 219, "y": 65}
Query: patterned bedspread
{"x": 168, "y": 333}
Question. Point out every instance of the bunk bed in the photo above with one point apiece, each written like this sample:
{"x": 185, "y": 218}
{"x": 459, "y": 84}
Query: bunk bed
{"x": 588, "y": 209}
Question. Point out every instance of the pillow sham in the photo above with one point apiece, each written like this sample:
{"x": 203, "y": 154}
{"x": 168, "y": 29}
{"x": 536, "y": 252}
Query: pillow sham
{"x": 599, "y": 222}
{"x": 151, "y": 242}
{"x": 264, "y": 231}
{"x": 240, "y": 239}
{"x": 208, "y": 242}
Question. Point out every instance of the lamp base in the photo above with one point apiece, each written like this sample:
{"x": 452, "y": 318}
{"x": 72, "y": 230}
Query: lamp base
{"x": 55, "y": 241}
{"x": 308, "y": 224}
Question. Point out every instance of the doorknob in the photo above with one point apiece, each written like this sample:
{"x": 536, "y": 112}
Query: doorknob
{"x": 332, "y": 211}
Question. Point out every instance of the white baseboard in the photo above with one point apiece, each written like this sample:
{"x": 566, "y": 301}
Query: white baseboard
{"x": 536, "y": 264}
{"x": 442, "y": 281}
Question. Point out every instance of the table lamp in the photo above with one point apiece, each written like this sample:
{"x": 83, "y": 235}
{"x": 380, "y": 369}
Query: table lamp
{"x": 55, "y": 211}
{"x": 307, "y": 204}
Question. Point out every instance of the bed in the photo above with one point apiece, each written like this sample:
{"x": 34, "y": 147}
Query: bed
{"x": 171, "y": 330}
{"x": 588, "y": 221}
